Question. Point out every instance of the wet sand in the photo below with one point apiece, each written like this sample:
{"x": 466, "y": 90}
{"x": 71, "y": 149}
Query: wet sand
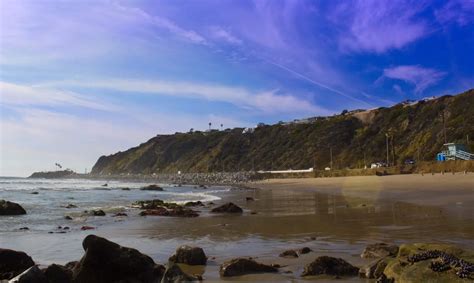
{"x": 332, "y": 216}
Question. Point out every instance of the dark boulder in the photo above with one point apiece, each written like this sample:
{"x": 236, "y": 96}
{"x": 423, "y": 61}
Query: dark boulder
{"x": 379, "y": 250}
{"x": 174, "y": 274}
{"x": 189, "y": 255}
{"x": 304, "y": 250}
{"x": 70, "y": 265}
{"x": 227, "y": 208}
{"x": 152, "y": 188}
{"x": 289, "y": 253}
{"x": 13, "y": 263}
{"x": 242, "y": 266}
{"x": 56, "y": 273}
{"x": 194, "y": 203}
{"x": 11, "y": 208}
{"x": 98, "y": 212}
{"x": 330, "y": 266}
{"x": 105, "y": 261}
{"x": 69, "y": 205}
{"x": 118, "y": 214}
{"x": 31, "y": 275}
{"x": 249, "y": 199}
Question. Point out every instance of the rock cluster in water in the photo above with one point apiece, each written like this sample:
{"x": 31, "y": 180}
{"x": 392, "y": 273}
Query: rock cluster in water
{"x": 158, "y": 207}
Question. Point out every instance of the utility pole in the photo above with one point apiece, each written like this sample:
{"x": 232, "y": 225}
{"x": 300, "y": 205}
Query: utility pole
{"x": 393, "y": 152}
{"x": 444, "y": 127}
{"x": 365, "y": 164}
{"x": 330, "y": 153}
{"x": 386, "y": 142}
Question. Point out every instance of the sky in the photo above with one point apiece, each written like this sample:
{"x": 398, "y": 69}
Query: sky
{"x": 82, "y": 78}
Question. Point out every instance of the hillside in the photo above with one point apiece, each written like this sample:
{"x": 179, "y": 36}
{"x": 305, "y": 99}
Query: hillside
{"x": 415, "y": 129}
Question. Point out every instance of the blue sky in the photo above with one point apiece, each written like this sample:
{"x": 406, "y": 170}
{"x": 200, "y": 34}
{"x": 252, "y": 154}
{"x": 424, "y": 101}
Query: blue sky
{"x": 80, "y": 79}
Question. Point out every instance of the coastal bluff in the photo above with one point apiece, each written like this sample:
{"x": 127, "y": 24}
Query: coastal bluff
{"x": 52, "y": 174}
{"x": 347, "y": 140}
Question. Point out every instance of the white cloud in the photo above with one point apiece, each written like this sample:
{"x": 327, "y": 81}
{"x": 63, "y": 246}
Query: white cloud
{"x": 15, "y": 94}
{"x": 222, "y": 34}
{"x": 266, "y": 101}
{"x": 419, "y": 76}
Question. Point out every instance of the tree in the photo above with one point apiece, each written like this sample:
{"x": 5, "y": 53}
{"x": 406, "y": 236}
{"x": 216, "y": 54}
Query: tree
{"x": 210, "y": 124}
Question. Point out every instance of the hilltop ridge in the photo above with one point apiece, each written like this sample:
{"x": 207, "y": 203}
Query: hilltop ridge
{"x": 355, "y": 138}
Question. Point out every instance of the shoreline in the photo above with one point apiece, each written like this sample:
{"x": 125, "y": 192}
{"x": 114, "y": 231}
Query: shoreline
{"x": 335, "y": 216}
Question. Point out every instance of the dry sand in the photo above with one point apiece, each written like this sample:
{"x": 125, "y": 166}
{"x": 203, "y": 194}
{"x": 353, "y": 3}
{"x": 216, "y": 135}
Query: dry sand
{"x": 438, "y": 189}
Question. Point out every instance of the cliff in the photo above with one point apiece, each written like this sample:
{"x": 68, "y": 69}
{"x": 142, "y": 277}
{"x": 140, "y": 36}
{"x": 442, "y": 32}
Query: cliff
{"x": 415, "y": 131}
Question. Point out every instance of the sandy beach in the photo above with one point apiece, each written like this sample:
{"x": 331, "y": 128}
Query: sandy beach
{"x": 332, "y": 216}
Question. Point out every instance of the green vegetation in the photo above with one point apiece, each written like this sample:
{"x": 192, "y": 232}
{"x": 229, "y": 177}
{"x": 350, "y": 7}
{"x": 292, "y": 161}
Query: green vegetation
{"x": 355, "y": 138}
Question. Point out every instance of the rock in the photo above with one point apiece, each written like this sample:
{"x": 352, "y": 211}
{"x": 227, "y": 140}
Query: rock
{"x": 189, "y": 255}
{"x": 105, "y": 261}
{"x": 125, "y": 189}
{"x": 98, "y": 212}
{"x": 84, "y": 228}
{"x": 242, "y": 266}
{"x": 56, "y": 273}
{"x": 373, "y": 270}
{"x": 119, "y": 214}
{"x": 69, "y": 205}
{"x": 11, "y": 208}
{"x": 70, "y": 265}
{"x": 289, "y": 253}
{"x": 152, "y": 188}
{"x": 67, "y": 217}
{"x": 31, "y": 275}
{"x": 379, "y": 250}
{"x": 24, "y": 228}
{"x": 34, "y": 193}
{"x": 304, "y": 250}
{"x": 194, "y": 203}
{"x": 249, "y": 199}
{"x": 13, "y": 263}
{"x": 330, "y": 266}
{"x": 174, "y": 212}
{"x": 421, "y": 263}
{"x": 384, "y": 279}
{"x": 174, "y": 274}
{"x": 227, "y": 208}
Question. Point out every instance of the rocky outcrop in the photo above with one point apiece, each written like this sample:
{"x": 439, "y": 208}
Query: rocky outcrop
{"x": 330, "y": 266}
{"x": 227, "y": 208}
{"x": 31, "y": 275}
{"x": 56, "y": 273}
{"x": 173, "y": 212}
{"x": 105, "y": 261}
{"x": 431, "y": 263}
{"x": 174, "y": 274}
{"x": 11, "y": 208}
{"x": 189, "y": 255}
{"x": 242, "y": 266}
{"x": 373, "y": 270}
{"x": 152, "y": 188}
{"x": 52, "y": 174}
{"x": 289, "y": 253}
{"x": 13, "y": 263}
{"x": 304, "y": 250}
{"x": 379, "y": 250}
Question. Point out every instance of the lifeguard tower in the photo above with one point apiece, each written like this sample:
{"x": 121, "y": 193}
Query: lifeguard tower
{"x": 454, "y": 151}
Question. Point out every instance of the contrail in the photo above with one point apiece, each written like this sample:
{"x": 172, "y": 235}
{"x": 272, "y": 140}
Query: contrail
{"x": 315, "y": 82}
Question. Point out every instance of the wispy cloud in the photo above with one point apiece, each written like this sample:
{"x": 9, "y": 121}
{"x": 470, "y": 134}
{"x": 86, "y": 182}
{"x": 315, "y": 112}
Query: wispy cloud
{"x": 269, "y": 101}
{"x": 220, "y": 33}
{"x": 457, "y": 11}
{"x": 23, "y": 95}
{"x": 378, "y": 25}
{"x": 416, "y": 75}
